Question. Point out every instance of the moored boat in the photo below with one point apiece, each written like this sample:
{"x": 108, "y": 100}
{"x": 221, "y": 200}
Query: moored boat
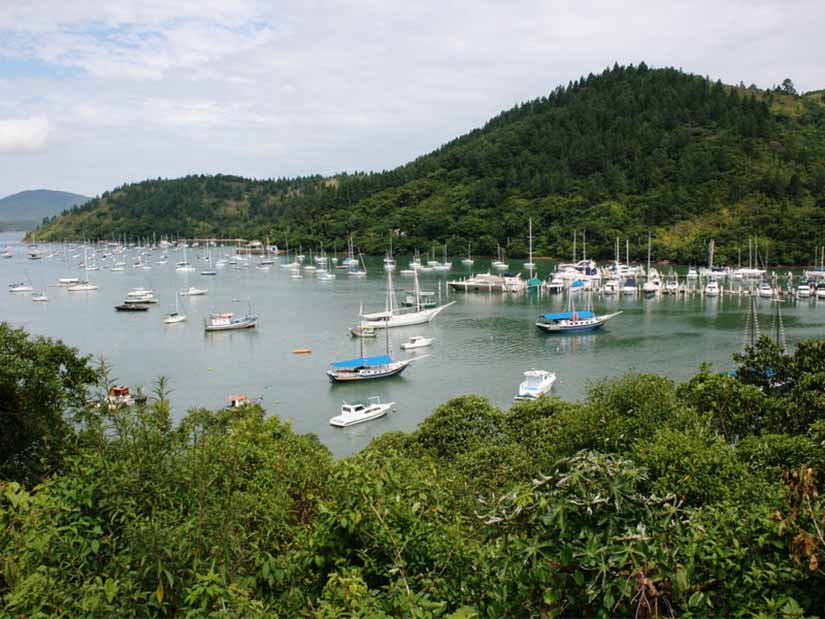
{"x": 358, "y": 412}
{"x": 536, "y": 383}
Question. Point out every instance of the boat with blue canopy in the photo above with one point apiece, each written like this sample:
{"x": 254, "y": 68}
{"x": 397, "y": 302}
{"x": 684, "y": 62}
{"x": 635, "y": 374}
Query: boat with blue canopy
{"x": 572, "y": 320}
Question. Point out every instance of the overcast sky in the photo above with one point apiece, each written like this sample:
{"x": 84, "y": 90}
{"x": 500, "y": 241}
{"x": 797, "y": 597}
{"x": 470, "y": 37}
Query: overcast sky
{"x": 96, "y": 93}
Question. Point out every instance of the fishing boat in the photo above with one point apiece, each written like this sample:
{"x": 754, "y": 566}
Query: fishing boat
{"x": 132, "y": 307}
{"x": 572, "y": 320}
{"x": 359, "y": 412}
{"x": 227, "y": 321}
{"x": 417, "y": 341}
{"x": 176, "y": 316}
{"x": 399, "y": 316}
{"x": 193, "y": 291}
{"x": 536, "y": 383}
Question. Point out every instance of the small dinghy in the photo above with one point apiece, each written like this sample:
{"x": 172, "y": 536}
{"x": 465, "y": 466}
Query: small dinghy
{"x": 359, "y": 412}
{"x": 417, "y": 341}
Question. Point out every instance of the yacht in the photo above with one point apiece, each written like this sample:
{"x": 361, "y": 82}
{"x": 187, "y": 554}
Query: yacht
{"x": 395, "y": 316}
{"x": 536, "y": 383}
{"x": 359, "y": 412}
{"x": 482, "y": 282}
{"x": 20, "y": 287}
{"x": 417, "y": 341}
{"x": 564, "y": 322}
{"x": 366, "y": 368}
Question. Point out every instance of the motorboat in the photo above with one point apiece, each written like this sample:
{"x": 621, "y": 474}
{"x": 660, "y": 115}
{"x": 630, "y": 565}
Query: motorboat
{"x": 363, "y": 331}
{"x": 40, "y": 297}
{"x": 536, "y": 383}
{"x": 193, "y": 291}
{"x": 67, "y": 281}
{"x": 672, "y": 284}
{"x": 629, "y": 287}
{"x": 240, "y": 400}
{"x": 611, "y": 287}
{"x": 20, "y": 287}
{"x": 82, "y": 286}
{"x": 132, "y": 307}
{"x": 359, "y": 412}
{"x": 481, "y": 282}
{"x": 820, "y": 291}
{"x": 803, "y": 290}
{"x": 712, "y": 288}
{"x": 765, "y": 290}
{"x": 417, "y": 341}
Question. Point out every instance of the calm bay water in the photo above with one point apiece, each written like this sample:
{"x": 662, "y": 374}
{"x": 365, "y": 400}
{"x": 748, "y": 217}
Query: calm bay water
{"x": 482, "y": 345}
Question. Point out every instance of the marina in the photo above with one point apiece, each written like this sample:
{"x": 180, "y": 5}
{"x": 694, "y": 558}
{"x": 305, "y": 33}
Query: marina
{"x": 486, "y": 340}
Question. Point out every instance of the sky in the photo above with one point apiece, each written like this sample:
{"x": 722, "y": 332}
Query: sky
{"x": 95, "y": 94}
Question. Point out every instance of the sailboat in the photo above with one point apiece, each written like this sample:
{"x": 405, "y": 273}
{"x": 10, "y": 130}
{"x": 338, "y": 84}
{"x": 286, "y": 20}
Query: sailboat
{"x": 395, "y": 315}
{"x": 468, "y": 261}
{"x": 211, "y": 270}
{"x": 83, "y": 286}
{"x": 176, "y": 316}
{"x": 532, "y": 281}
{"x": 184, "y": 266}
{"x": 572, "y": 320}
{"x": 652, "y": 285}
{"x": 368, "y": 368}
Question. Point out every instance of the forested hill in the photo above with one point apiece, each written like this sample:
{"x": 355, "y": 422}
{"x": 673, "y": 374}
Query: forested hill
{"x": 616, "y": 154}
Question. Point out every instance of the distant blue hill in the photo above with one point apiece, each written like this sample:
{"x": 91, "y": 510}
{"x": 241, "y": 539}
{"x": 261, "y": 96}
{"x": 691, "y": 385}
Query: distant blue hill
{"x": 30, "y": 207}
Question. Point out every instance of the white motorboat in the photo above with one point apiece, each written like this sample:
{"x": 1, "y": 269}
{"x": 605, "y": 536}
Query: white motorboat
{"x": 20, "y": 287}
{"x": 40, "y": 297}
{"x": 67, "y": 281}
{"x": 712, "y": 288}
{"x": 193, "y": 291}
{"x": 820, "y": 291}
{"x": 359, "y": 412}
{"x": 803, "y": 290}
{"x": 765, "y": 290}
{"x": 536, "y": 383}
{"x": 417, "y": 341}
{"x": 629, "y": 287}
{"x": 610, "y": 287}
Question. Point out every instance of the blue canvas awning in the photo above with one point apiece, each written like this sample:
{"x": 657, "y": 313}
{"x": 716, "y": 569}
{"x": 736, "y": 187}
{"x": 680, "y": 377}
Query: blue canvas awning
{"x": 361, "y": 362}
{"x": 569, "y": 315}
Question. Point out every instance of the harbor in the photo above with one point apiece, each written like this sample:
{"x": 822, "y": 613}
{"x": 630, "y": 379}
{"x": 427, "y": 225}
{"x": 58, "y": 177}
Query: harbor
{"x": 483, "y": 342}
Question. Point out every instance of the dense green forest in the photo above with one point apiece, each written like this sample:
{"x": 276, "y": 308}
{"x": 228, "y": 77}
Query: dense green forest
{"x": 648, "y": 499}
{"x": 612, "y": 155}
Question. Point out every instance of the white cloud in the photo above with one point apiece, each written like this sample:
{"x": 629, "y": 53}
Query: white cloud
{"x": 23, "y": 135}
{"x": 261, "y": 88}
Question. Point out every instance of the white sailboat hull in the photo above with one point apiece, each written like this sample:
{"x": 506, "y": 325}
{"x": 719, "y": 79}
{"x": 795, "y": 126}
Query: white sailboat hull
{"x": 406, "y": 319}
